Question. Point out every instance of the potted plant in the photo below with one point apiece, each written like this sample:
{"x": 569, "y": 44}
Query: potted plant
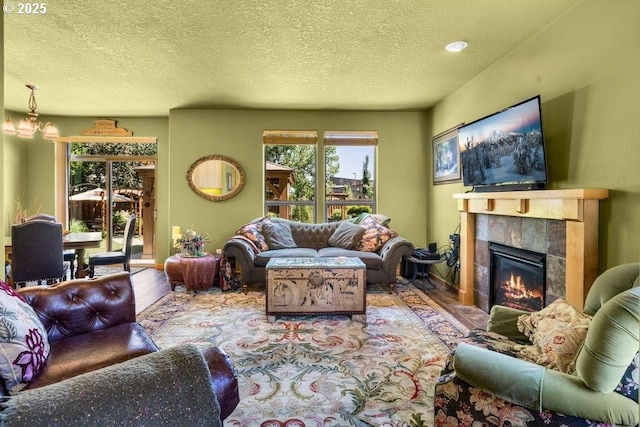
{"x": 191, "y": 243}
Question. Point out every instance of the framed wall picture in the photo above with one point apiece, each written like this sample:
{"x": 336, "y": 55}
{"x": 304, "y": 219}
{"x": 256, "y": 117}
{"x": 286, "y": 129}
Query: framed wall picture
{"x": 446, "y": 157}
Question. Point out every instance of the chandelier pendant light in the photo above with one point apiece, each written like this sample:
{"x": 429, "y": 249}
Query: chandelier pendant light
{"x": 30, "y": 125}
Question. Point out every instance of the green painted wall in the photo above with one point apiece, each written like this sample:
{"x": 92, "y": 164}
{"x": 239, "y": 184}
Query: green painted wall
{"x": 15, "y": 176}
{"x": 585, "y": 66}
{"x": 238, "y": 134}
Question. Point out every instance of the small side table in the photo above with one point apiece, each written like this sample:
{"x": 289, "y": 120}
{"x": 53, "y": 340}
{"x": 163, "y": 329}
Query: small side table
{"x": 424, "y": 274}
{"x": 196, "y": 273}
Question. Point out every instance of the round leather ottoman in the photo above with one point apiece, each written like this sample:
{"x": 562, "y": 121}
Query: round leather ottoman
{"x": 195, "y": 273}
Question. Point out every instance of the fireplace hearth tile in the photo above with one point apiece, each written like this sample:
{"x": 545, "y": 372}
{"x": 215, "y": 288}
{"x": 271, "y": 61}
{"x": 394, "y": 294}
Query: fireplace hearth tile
{"x": 481, "y": 301}
{"x": 482, "y": 253}
{"x": 556, "y": 276}
{"x": 482, "y": 227}
{"x": 557, "y": 238}
{"x": 497, "y": 229}
{"x": 534, "y": 234}
{"x": 481, "y": 278}
{"x": 513, "y": 233}
{"x": 551, "y": 297}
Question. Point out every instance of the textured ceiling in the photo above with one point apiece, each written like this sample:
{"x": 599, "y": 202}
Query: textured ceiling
{"x": 143, "y": 58}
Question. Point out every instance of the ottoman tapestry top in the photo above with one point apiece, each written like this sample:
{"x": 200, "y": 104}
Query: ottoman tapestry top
{"x": 315, "y": 285}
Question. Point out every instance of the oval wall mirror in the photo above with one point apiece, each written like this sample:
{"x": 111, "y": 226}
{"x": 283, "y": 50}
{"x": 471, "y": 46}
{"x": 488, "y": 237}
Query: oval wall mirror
{"x": 216, "y": 177}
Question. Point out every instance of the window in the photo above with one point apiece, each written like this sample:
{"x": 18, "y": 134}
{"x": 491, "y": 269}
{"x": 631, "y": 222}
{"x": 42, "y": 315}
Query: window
{"x": 350, "y": 158}
{"x": 290, "y": 174}
{"x": 292, "y": 184}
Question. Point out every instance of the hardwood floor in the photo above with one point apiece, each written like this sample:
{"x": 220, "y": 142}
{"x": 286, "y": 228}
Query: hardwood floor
{"x": 151, "y": 284}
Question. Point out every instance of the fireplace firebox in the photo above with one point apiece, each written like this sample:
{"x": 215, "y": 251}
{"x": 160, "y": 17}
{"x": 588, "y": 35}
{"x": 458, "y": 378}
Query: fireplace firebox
{"x": 517, "y": 277}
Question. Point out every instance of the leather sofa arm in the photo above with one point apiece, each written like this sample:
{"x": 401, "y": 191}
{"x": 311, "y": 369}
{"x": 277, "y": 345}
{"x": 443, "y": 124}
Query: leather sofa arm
{"x": 239, "y": 249}
{"x": 84, "y": 305}
{"x": 243, "y": 252}
{"x": 224, "y": 380}
{"x": 393, "y": 251}
{"x": 536, "y": 387}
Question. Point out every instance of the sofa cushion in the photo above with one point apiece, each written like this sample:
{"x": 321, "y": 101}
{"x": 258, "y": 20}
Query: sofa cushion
{"x": 253, "y": 232}
{"x": 371, "y": 260}
{"x": 263, "y": 258}
{"x": 557, "y": 333}
{"x": 23, "y": 340}
{"x": 375, "y": 236}
{"x": 278, "y": 235}
{"x": 346, "y": 235}
{"x": 94, "y": 350}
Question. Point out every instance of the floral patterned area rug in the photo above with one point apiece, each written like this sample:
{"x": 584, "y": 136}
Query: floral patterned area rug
{"x": 322, "y": 370}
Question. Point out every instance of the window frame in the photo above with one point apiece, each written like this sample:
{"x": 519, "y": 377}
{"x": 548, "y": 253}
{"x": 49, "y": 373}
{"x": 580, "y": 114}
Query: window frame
{"x": 291, "y": 137}
{"x": 346, "y": 138}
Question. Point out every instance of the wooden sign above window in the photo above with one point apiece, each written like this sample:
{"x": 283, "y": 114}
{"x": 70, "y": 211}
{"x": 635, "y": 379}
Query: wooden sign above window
{"x": 105, "y": 127}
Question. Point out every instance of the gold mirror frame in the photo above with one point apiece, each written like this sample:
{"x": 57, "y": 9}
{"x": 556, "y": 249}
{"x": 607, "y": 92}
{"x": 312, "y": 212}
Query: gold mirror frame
{"x": 233, "y": 184}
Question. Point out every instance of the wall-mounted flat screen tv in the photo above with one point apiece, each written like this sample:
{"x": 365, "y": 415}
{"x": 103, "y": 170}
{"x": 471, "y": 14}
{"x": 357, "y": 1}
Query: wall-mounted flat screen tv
{"x": 505, "y": 150}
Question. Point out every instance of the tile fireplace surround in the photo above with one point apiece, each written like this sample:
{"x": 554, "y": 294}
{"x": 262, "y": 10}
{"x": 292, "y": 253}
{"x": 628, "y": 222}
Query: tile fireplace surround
{"x": 561, "y": 223}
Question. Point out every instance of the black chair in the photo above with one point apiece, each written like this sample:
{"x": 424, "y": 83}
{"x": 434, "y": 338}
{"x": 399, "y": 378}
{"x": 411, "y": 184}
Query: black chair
{"x": 122, "y": 256}
{"x": 68, "y": 256}
{"x": 37, "y": 252}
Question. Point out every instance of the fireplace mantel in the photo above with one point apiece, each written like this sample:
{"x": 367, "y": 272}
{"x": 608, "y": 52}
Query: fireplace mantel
{"x": 578, "y": 207}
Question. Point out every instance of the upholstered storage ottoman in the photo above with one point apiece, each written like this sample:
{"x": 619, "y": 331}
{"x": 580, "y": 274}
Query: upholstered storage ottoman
{"x": 196, "y": 273}
{"x": 315, "y": 286}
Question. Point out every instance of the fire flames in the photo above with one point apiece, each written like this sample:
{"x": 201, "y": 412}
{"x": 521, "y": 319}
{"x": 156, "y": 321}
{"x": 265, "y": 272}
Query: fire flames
{"x": 515, "y": 289}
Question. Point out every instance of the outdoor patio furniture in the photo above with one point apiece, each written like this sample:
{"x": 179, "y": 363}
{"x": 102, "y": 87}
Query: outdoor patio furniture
{"x": 122, "y": 256}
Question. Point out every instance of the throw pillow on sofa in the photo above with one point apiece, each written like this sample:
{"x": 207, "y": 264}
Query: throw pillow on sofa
{"x": 278, "y": 235}
{"x": 253, "y": 232}
{"x": 557, "y": 333}
{"x": 23, "y": 340}
{"x": 375, "y": 235}
{"x": 346, "y": 235}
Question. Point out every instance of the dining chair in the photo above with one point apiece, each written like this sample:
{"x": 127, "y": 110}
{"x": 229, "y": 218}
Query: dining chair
{"x": 37, "y": 252}
{"x": 68, "y": 255}
{"x": 122, "y": 256}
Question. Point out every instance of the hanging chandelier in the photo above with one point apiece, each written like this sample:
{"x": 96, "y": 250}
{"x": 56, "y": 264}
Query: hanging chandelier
{"x": 30, "y": 125}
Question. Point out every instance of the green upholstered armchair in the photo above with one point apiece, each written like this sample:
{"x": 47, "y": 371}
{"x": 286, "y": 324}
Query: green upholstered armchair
{"x": 488, "y": 379}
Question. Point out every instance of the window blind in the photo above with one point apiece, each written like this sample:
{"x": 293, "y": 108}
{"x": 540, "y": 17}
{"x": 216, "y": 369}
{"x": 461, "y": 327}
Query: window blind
{"x": 355, "y": 137}
{"x": 283, "y": 137}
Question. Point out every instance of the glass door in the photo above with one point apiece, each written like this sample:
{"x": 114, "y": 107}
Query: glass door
{"x": 105, "y": 190}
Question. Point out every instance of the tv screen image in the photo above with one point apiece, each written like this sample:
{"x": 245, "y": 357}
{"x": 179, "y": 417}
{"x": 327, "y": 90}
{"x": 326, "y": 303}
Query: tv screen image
{"x": 506, "y": 147}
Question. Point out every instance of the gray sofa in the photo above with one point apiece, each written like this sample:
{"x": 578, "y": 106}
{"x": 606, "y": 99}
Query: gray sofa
{"x": 314, "y": 240}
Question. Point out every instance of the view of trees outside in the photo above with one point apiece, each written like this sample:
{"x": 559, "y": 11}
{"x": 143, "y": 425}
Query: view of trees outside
{"x": 88, "y": 180}
{"x": 367, "y": 185}
{"x": 94, "y": 172}
{"x": 302, "y": 186}
{"x": 344, "y": 184}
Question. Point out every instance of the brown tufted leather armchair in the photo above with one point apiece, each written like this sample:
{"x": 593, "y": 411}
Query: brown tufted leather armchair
{"x": 91, "y": 324}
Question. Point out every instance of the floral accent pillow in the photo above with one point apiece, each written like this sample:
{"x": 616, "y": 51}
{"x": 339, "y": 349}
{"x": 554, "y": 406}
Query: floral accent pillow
{"x": 374, "y": 237}
{"x": 557, "y": 333}
{"x": 253, "y": 232}
{"x": 23, "y": 340}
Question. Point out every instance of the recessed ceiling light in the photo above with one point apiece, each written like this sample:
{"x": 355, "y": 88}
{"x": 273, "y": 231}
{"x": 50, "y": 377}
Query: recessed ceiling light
{"x": 458, "y": 46}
